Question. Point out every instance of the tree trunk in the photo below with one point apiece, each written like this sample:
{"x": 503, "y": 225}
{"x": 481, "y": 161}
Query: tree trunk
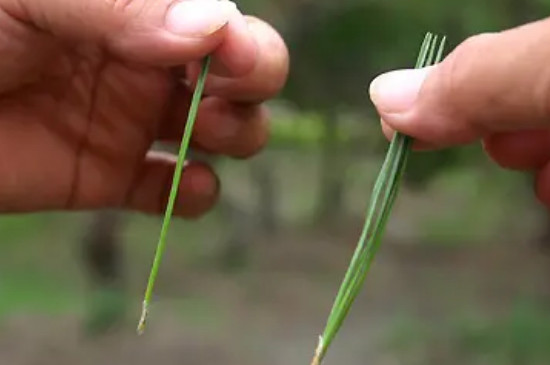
{"x": 102, "y": 255}
{"x": 235, "y": 252}
{"x": 333, "y": 167}
{"x": 262, "y": 176}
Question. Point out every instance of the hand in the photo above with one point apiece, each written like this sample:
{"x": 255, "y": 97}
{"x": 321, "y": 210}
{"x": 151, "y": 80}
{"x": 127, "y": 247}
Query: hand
{"x": 494, "y": 87}
{"x": 87, "y": 86}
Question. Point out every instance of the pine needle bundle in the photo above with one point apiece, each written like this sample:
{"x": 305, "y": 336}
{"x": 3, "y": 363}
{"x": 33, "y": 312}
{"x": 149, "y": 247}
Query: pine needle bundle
{"x": 383, "y": 197}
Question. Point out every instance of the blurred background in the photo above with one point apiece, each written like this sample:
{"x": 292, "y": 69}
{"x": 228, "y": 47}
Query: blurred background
{"x": 463, "y": 275}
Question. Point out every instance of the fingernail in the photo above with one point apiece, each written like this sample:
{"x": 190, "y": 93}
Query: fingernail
{"x": 199, "y": 18}
{"x": 396, "y": 91}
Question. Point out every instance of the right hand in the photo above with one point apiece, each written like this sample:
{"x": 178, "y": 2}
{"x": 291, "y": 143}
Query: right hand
{"x": 492, "y": 87}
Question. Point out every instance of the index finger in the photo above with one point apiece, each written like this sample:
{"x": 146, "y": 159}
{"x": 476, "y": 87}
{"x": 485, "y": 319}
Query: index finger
{"x": 263, "y": 81}
{"x": 491, "y": 83}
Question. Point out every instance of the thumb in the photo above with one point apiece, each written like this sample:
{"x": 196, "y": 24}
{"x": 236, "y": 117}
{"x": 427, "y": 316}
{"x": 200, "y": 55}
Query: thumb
{"x": 163, "y": 32}
{"x": 491, "y": 83}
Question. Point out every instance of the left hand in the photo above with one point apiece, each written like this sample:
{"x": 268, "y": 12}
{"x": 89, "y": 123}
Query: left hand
{"x": 87, "y": 86}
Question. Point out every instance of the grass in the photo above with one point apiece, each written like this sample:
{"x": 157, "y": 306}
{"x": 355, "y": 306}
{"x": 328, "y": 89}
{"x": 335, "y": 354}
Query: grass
{"x": 204, "y": 314}
{"x": 518, "y": 337}
{"x": 33, "y": 292}
{"x": 384, "y": 194}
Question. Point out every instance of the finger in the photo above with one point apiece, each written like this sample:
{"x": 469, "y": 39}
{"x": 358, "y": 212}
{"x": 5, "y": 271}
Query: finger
{"x": 490, "y": 83}
{"x": 198, "y": 191}
{"x": 542, "y": 184}
{"x": 238, "y": 53}
{"x": 526, "y": 150}
{"x": 264, "y": 81}
{"x": 25, "y": 62}
{"x": 159, "y": 32}
{"x": 389, "y": 132}
{"x": 222, "y": 127}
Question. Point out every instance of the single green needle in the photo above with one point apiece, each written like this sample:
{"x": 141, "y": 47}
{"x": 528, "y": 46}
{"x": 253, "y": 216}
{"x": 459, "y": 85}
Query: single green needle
{"x": 191, "y": 117}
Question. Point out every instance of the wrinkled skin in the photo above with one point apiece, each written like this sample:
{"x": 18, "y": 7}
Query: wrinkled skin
{"x": 481, "y": 92}
{"x": 79, "y": 110}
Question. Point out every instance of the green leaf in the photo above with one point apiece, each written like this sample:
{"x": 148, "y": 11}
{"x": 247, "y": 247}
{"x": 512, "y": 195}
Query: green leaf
{"x": 173, "y": 192}
{"x": 384, "y": 195}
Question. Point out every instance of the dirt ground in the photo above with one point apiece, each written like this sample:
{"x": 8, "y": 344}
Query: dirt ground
{"x": 272, "y": 314}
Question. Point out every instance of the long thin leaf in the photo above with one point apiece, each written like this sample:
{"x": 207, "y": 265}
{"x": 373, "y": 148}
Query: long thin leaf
{"x": 161, "y": 246}
{"x": 381, "y": 203}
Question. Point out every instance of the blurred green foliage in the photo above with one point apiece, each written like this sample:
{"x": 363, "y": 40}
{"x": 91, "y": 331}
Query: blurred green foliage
{"x": 518, "y": 337}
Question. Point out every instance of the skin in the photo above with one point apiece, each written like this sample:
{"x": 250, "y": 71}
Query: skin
{"x": 502, "y": 100}
{"x": 88, "y": 86}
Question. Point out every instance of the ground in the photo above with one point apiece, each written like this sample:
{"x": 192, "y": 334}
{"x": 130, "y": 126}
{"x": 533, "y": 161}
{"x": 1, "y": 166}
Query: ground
{"x": 458, "y": 280}
{"x": 273, "y": 313}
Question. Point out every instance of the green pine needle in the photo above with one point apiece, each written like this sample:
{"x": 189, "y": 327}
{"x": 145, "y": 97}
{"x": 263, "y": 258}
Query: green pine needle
{"x": 173, "y": 192}
{"x": 383, "y": 197}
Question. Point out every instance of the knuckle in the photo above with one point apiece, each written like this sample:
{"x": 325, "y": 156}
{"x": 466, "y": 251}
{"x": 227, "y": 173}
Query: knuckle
{"x": 458, "y": 66}
{"x": 456, "y": 73}
{"x": 273, "y": 68}
{"x": 117, "y": 13}
{"x": 541, "y": 95}
{"x": 129, "y": 10}
{"x": 541, "y": 191}
{"x": 257, "y": 135}
{"x": 121, "y": 5}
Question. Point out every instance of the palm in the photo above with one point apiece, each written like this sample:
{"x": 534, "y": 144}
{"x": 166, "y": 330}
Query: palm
{"x": 90, "y": 121}
{"x": 77, "y": 122}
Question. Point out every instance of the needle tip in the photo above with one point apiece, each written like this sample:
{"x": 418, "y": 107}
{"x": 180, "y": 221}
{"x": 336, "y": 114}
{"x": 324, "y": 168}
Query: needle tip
{"x": 143, "y": 318}
{"x": 317, "y": 357}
